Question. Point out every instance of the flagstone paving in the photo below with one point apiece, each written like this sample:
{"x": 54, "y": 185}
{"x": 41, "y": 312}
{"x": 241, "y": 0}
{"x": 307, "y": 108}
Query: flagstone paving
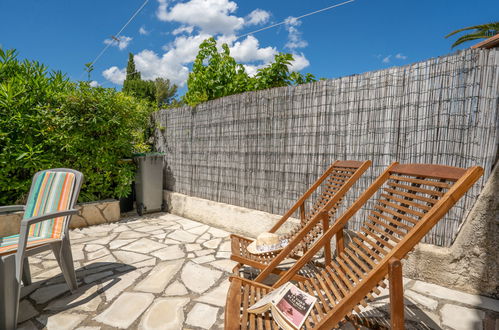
{"x": 163, "y": 271}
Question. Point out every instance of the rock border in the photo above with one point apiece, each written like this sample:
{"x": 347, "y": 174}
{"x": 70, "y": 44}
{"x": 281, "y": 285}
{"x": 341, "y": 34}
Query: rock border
{"x": 92, "y": 213}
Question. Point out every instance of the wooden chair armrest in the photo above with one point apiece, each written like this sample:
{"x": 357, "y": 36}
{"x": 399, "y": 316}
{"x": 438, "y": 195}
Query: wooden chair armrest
{"x": 250, "y": 282}
{"x": 240, "y": 237}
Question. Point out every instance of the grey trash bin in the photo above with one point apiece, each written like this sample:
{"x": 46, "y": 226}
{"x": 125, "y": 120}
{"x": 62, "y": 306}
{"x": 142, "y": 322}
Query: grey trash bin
{"x": 149, "y": 182}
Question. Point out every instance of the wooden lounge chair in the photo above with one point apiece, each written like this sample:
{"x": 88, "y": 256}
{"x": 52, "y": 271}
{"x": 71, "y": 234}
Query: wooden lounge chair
{"x": 44, "y": 226}
{"x": 331, "y": 187}
{"x": 411, "y": 199}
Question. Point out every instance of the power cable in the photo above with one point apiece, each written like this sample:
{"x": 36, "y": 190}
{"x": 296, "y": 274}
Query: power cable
{"x": 119, "y": 32}
{"x": 296, "y": 18}
{"x": 276, "y": 24}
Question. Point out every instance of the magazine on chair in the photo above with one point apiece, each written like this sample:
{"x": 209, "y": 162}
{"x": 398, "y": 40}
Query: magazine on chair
{"x": 289, "y": 305}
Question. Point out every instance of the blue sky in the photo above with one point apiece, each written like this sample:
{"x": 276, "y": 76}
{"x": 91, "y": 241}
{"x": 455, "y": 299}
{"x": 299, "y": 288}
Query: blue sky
{"x": 360, "y": 36}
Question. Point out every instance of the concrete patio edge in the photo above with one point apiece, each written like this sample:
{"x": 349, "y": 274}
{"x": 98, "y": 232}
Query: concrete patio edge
{"x": 234, "y": 219}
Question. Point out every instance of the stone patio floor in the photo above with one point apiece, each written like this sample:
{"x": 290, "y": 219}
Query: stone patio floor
{"x": 162, "y": 271}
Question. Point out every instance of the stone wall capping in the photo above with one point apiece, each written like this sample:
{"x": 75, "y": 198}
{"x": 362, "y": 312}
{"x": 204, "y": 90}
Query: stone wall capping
{"x": 91, "y": 213}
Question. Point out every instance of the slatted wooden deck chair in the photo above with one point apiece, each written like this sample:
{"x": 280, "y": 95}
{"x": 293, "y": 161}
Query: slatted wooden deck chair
{"x": 44, "y": 226}
{"x": 331, "y": 188}
{"x": 410, "y": 200}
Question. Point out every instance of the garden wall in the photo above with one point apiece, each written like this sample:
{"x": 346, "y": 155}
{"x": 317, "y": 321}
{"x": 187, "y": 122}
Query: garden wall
{"x": 261, "y": 150}
{"x": 93, "y": 213}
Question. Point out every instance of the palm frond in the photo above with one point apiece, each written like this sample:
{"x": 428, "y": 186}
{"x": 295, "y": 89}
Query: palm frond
{"x": 482, "y": 31}
{"x": 468, "y": 37}
{"x": 484, "y": 27}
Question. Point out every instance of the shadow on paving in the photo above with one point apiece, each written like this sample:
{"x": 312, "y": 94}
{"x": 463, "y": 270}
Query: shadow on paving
{"x": 51, "y": 296}
{"x": 378, "y": 317}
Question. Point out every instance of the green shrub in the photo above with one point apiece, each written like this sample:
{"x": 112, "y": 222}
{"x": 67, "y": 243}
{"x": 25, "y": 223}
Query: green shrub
{"x": 216, "y": 74}
{"x": 46, "y": 121}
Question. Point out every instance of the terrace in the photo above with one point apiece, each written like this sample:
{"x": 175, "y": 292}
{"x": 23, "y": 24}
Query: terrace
{"x": 162, "y": 271}
{"x": 234, "y": 164}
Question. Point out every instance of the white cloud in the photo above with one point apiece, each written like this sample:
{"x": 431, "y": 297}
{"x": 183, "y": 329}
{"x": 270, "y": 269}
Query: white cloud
{"x": 115, "y": 75}
{"x": 143, "y": 30}
{"x": 248, "y": 50}
{"x": 196, "y": 21}
{"x": 299, "y": 62}
{"x": 257, "y": 16}
{"x": 388, "y": 59}
{"x": 211, "y": 16}
{"x": 294, "y": 35}
{"x": 183, "y": 29}
{"x": 173, "y": 63}
{"x": 122, "y": 42}
{"x": 94, "y": 83}
{"x": 251, "y": 70}
{"x": 162, "y": 10}
{"x": 400, "y": 56}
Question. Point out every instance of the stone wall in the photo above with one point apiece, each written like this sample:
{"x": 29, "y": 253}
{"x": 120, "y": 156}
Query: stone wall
{"x": 471, "y": 263}
{"x": 93, "y": 213}
{"x": 234, "y": 219}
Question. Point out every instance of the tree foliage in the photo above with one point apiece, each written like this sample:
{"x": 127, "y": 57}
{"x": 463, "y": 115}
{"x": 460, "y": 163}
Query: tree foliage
{"x": 159, "y": 92}
{"x": 482, "y": 31}
{"x": 131, "y": 72}
{"x": 46, "y": 121}
{"x": 165, "y": 92}
{"x": 216, "y": 74}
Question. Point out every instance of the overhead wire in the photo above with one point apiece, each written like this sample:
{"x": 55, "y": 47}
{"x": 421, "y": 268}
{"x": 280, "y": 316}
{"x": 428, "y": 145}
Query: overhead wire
{"x": 294, "y": 18}
{"x": 118, "y": 34}
{"x": 272, "y": 25}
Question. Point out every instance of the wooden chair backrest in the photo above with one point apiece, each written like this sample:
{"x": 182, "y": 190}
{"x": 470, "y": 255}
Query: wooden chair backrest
{"x": 412, "y": 199}
{"x": 330, "y": 188}
{"x": 333, "y": 185}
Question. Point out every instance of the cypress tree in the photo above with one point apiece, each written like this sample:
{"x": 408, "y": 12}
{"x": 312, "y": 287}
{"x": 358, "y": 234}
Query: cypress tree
{"x": 131, "y": 73}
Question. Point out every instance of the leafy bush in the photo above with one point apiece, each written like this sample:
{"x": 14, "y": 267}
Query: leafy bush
{"x": 216, "y": 74}
{"x": 46, "y": 121}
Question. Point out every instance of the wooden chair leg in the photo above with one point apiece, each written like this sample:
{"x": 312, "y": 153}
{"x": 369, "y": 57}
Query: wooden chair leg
{"x": 327, "y": 246}
{"x": 302, "y": 213}
{"x": 396, "y": 294}
{"x": 340, "y": 242}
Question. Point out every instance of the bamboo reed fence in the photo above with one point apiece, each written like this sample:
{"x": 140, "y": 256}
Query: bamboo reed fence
{"x": 261, "y": 150}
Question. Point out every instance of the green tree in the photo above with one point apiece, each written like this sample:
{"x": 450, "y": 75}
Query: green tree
{"x": 165, "y": 92}
{"x": 276, "y": 74}
{"x": 89, "y": 67}
{"x": 142, "y": 89}
{"x": 297, "y": 78}
{"x": 216, "y": 74}
{"x": 159, "y": 92}
{"x": 131, "y": 72}
{"x": 482, "y": 31}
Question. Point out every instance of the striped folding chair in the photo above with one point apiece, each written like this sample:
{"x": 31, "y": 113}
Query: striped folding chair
{"x": 44, "y": 226}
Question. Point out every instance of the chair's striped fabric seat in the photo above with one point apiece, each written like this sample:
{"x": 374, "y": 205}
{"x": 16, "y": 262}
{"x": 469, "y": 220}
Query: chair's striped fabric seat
{"x": 52, "y": 191}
